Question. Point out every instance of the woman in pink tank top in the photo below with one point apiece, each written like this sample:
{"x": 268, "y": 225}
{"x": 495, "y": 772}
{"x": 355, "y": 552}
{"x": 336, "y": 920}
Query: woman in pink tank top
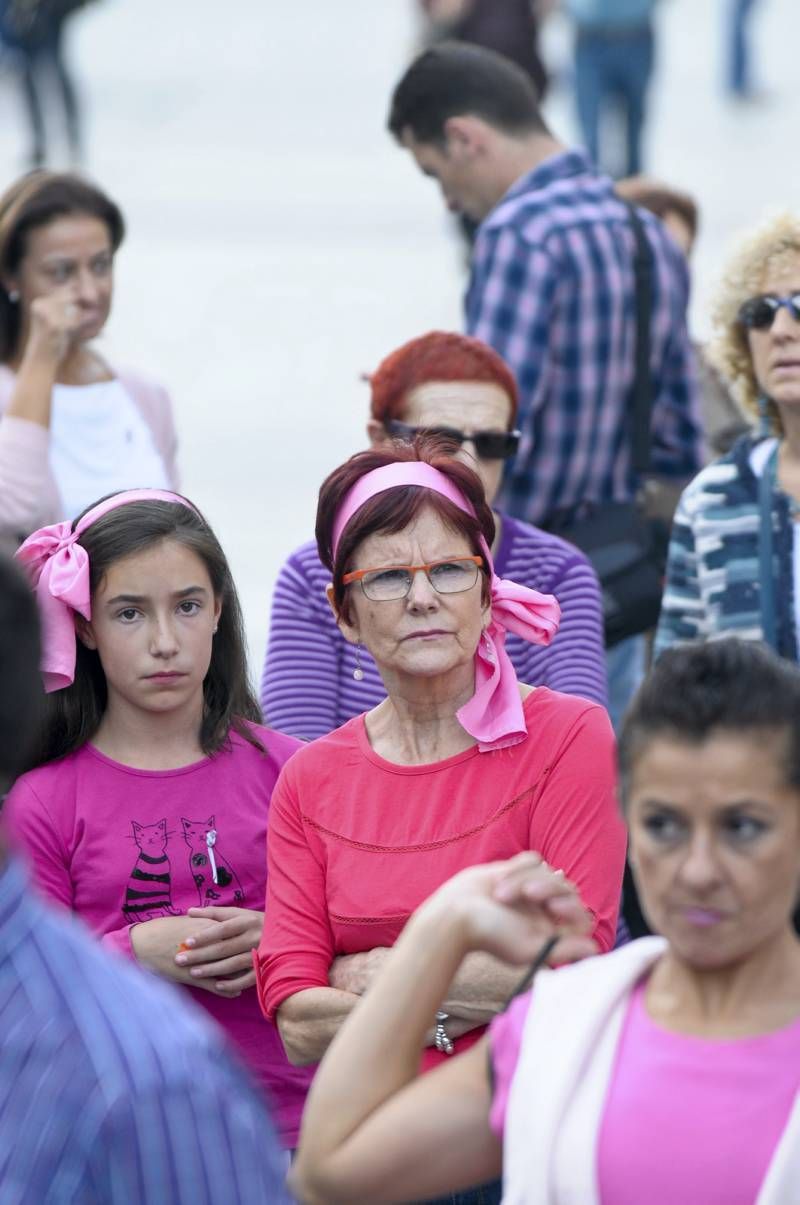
{"x": 667, "y": 1071}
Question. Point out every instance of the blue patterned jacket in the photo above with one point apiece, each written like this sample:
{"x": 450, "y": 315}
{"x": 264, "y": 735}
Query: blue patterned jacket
{"x": 713, "y": 583}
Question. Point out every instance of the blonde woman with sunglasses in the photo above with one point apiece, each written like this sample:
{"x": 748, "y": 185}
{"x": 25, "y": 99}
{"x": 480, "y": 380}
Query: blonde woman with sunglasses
{"x": 734, "y": 555}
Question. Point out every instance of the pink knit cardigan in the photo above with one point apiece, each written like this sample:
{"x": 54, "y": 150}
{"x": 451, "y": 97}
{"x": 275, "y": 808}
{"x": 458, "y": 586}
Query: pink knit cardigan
{"x": 29, "y": 495}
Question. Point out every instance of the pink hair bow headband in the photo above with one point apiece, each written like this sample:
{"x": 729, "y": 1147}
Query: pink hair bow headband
{"x": 58, "y": 567}
{"x": 494, "y": 715}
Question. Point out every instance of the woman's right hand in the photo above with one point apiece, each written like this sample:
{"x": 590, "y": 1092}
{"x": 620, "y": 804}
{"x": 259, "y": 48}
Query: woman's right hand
{"x": 53, "y": 321}
{"x": 510, "y": 909}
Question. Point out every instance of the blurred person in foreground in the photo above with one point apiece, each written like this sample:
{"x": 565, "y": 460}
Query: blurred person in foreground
{"x": 459, "y": 765}
{"x": 614, "y": 58}
{"x": 73, "y": 427}
{"x": 112, "y": 1090}
{"x": 556, "y": 273}
{"x": 34, "y": 31}
{"x": 459, "y": 389}
{"x": 721, "y": 416}
{"x": 667, "y": 1071}
{"x": 733, "y": 556}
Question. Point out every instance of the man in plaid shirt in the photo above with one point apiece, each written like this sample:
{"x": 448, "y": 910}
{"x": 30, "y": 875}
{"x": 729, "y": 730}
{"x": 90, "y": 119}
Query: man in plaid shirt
{"x": 552, "y": 289}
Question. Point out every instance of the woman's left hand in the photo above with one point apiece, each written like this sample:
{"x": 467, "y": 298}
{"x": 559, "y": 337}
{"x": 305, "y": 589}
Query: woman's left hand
{"x": 224, "y": 950}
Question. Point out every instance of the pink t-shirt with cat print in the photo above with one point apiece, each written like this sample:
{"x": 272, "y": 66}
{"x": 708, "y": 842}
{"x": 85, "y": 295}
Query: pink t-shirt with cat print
{"x": 117, "y": 845}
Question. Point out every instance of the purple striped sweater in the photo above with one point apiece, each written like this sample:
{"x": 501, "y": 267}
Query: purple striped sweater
{"x": 308, "y": 689}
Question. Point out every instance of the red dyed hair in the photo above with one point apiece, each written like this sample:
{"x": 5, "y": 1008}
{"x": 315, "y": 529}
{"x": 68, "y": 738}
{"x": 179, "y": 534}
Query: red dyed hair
{"x": 437, "y": 356}
{"x": 395, "y": 509}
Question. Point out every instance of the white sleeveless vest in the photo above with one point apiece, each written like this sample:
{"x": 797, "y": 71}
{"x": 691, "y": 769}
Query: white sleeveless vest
{"x": 559, "y": 1089}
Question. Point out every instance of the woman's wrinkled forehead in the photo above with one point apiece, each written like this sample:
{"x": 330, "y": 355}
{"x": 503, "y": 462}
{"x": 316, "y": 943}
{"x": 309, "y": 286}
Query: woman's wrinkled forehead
{"x": 428, "y": 535}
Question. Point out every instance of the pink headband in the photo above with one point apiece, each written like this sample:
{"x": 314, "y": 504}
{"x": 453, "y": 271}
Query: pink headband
{"x": 58, "y": 567}
{"x": 494, "y": 715}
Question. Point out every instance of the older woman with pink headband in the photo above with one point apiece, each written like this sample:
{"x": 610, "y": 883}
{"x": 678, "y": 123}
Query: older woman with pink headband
{"x": 459, "y": 765}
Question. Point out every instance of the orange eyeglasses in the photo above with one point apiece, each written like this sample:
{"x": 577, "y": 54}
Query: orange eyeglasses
{"x": 391, "y": 582}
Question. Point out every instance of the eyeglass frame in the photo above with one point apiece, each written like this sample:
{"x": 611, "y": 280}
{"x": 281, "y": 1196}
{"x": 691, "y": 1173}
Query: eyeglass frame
{"x": 408, "y": 432}
{"x": 358, "y": 575}
{"x": 774, "y": 302}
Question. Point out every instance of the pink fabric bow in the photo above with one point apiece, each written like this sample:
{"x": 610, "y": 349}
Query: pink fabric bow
{"x": 494, "y": 715}
{"x": 58, "y": 567}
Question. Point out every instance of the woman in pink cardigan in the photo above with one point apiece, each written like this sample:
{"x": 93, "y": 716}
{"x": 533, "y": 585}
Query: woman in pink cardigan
{"x": 73, "y": 428}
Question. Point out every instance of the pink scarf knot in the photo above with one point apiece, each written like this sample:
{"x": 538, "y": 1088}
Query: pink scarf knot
{"x": 59, "y": 571}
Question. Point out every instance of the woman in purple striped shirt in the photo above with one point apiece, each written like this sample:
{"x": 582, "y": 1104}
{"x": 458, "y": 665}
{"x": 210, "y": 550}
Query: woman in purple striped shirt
{"x": 457, "y": 385}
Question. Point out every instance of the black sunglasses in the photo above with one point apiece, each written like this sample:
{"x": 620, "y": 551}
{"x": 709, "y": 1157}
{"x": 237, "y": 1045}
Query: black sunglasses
{"x": 489, "y": 445}
{"x": 759, "y": 313}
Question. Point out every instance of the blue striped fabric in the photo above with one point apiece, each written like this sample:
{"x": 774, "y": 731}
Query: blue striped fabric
{"x": 112, "y": 1090}
{"x": 713, "y": 585}
{"x": 552, "y": 290}
{"x": 307, "y": 687}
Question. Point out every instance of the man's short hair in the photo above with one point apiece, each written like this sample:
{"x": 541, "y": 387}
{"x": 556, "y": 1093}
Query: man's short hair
{"x": 453, "y": 79}
{"x": 21, "y": 691}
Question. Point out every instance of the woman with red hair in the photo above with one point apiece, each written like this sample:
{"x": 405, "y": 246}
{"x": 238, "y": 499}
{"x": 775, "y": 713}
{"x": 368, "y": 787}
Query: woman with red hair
{"x": 313, "y": 680}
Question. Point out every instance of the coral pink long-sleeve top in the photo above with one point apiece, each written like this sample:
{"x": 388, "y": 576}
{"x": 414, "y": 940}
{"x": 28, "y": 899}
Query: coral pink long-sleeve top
{"x": 356, "y": 843}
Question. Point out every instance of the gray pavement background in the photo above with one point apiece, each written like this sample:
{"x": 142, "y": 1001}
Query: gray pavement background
{"x": 280, "y": 244}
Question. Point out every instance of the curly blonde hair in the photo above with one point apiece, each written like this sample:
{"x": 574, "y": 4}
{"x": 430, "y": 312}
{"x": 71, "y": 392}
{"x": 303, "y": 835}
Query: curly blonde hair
{"x": 729, "y": 350}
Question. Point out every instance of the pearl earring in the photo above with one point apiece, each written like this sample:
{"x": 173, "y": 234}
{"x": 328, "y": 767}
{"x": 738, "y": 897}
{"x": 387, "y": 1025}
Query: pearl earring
{"x": 358, "y": 673}
{"x": 13, "y": 296}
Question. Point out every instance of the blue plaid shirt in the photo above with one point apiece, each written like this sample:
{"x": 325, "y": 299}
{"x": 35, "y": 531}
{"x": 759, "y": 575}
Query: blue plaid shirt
{"x": 553, "y": 291}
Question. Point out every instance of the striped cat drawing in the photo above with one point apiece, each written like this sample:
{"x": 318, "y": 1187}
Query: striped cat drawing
{"x": 216, "y": 882}
{"x": 149, "y": 890}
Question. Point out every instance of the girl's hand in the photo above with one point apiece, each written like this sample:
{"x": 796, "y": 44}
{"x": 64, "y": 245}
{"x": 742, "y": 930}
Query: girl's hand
{"x": 54, "y": 319}
{"x": 222, "y": 951}
{"x": 155, "y": 943}
{"x": 510, "y": 909}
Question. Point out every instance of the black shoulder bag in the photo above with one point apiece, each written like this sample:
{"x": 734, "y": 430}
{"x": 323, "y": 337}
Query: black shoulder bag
{"x": 616, "y": 536}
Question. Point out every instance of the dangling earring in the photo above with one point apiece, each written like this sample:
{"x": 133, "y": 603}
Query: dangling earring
{"x": 13, "y": 296}
{"x": 358, "y": 673}
{"x": 764, "y": 417}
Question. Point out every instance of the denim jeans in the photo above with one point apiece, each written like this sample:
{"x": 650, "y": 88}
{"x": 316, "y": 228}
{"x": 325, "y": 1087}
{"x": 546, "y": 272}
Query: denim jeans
{"x": 625, "y": 663}
{"x": 484, "y": 1194}
{"x": 612, "y": 73}
{"x": 739, "y": 70}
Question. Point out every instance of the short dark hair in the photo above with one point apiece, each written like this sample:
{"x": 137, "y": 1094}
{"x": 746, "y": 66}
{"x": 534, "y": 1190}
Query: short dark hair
{"x": 697, "y": 690}
{"x": 21, "y": 692}
{"x": 36, "y": 200}
{"x": 73, "y": 715}
{"x": 395, "y": 509}
{"x": 453, "y": 79}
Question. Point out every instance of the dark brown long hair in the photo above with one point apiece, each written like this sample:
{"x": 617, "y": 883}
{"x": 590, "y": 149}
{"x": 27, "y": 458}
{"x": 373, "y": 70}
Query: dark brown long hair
{"x": 73, "y": 714}
{"x": 36, "y": 200}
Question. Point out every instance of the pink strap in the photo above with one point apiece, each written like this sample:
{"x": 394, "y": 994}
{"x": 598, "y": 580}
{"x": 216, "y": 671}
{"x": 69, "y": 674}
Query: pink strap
{"x": 58, "y": 568}
{"x": 494, "y": 715}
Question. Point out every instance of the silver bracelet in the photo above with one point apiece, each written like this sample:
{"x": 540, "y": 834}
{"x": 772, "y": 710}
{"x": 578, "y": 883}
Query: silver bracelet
{"x": 440, "y": 1038}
